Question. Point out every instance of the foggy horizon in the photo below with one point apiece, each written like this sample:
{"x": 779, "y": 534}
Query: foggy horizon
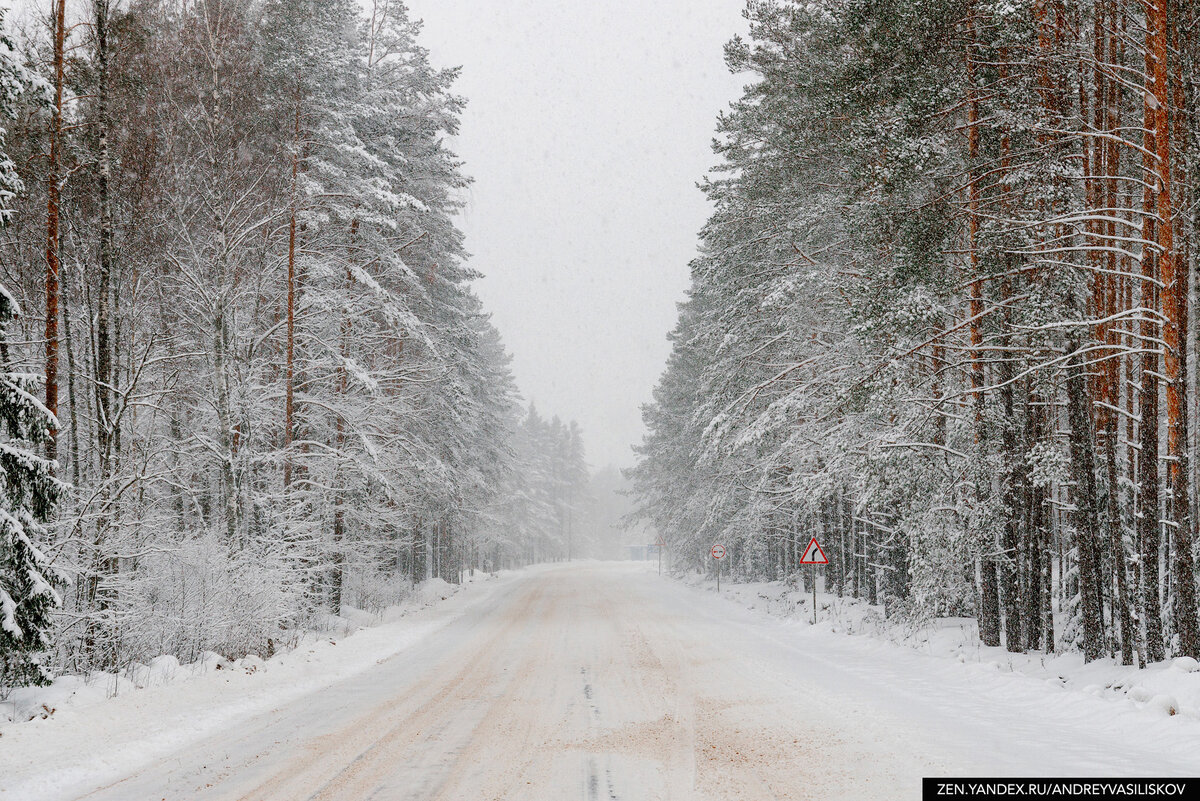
{"x": 585, "y": 135}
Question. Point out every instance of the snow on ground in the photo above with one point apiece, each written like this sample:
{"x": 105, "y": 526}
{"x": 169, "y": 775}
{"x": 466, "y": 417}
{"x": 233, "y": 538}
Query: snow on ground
{"x": 76, "y": 691}
{"x": 151, "y": 710}
{"x": 581, "y": 680}
{"x": 1161, "y": 701}
{"x": 563, "y": 680}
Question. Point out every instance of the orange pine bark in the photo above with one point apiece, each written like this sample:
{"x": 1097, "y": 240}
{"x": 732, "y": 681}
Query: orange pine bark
{"x": 53, "y": 189}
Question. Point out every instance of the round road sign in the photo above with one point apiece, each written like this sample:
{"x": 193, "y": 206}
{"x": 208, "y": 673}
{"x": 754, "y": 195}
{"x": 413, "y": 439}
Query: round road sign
{"x": 718, "y": 551}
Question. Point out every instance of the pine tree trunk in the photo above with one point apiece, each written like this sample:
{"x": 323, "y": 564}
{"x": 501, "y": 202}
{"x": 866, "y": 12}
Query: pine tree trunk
{"x": 1098, "y": 184}
{"x": 339, "y": 514}
{"x": 1015, "y": 469}
{"x": 1181, "y": 124}
{"x": 289, "y": 403}
{"x": 989, "y": 586}
{"x": 1149, "y": 504}
{"x": 72, "y": 366}
{"x": 1012, "y": 479}
{"x": 1034, "y": 555}
{"x": 1091, "y": 572}
{"x": 225, "y": 436}
{"x": 53, "y": 188}
{"x": 104, "y": 360}
{"x": 1124, "y": 365}
{"x": 1175, "y": 306}
{"x": 1084, "y": 499}
{"x": 105, "y": 375}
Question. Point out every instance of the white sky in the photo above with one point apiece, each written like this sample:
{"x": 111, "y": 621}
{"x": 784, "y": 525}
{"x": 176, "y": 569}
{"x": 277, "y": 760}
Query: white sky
{"x": 587, "y": 128}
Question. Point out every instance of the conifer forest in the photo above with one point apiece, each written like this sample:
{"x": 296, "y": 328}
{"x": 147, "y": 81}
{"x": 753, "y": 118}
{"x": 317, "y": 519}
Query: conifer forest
{"x": 941, "y": 318}
{"x": 880, "y": 319}
{"x": 246, "y": 379}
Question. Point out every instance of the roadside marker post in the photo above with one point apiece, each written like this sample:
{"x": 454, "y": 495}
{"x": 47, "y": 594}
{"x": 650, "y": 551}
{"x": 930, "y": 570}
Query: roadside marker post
{"x": 718, "y": 553}
{"x": 813, "y": 555}
{"x": 660, "y": 547}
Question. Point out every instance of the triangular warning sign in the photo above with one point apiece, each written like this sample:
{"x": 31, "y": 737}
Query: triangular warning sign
{"x": 813, "y": 555}
{"x": 660, "y": 543}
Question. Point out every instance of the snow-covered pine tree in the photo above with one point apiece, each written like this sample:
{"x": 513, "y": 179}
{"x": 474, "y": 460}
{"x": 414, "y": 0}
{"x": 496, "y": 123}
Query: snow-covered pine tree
{"x": 14, "y": 79}
{"x": 28, "y": 493}
{"x": 28, "y": 489}
{"x": 938, "y": 318}
{"x": 186, "y": 173}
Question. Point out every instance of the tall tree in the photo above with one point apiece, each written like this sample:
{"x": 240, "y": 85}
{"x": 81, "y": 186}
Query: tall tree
{"x": 54, "y": 179}
{"x": 997, "y": 428}
{"x": 28, "y": 492}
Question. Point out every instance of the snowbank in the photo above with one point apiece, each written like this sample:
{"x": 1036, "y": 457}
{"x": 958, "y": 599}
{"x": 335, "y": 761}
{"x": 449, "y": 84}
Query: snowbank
{"x": 1163, "y": 689}
{"x": 26, "y": 704}
{"x": 104, "y": 726}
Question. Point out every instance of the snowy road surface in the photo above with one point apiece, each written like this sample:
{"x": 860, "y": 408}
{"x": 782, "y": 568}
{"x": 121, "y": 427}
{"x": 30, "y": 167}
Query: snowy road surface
{"x": 605, "y": 681}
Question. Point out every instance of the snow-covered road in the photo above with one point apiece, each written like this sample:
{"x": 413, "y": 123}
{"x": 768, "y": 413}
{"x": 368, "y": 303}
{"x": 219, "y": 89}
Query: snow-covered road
{"x": 605, "y": 681}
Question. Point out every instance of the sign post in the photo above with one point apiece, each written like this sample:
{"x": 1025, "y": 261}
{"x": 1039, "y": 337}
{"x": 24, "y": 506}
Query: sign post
{"x": 660, "y": 547}
{"x": 718, "y": 553}
{"x": 813, "y": 555}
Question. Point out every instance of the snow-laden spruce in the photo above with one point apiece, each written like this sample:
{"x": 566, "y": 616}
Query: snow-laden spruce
{"x": 939, "y": 319}
{"x": 28, "y": 493}
{"x": 278, "y": 396}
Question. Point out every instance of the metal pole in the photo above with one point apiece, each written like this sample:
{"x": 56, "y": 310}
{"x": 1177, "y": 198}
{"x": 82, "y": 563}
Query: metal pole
{"x": 718, "y": 575}
{"x": 814, "y": 581}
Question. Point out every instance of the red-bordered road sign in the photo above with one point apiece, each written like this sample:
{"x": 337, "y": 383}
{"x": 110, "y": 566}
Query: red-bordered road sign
{"x": 813, "y": 555}
{"x": 718, "y": 551}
